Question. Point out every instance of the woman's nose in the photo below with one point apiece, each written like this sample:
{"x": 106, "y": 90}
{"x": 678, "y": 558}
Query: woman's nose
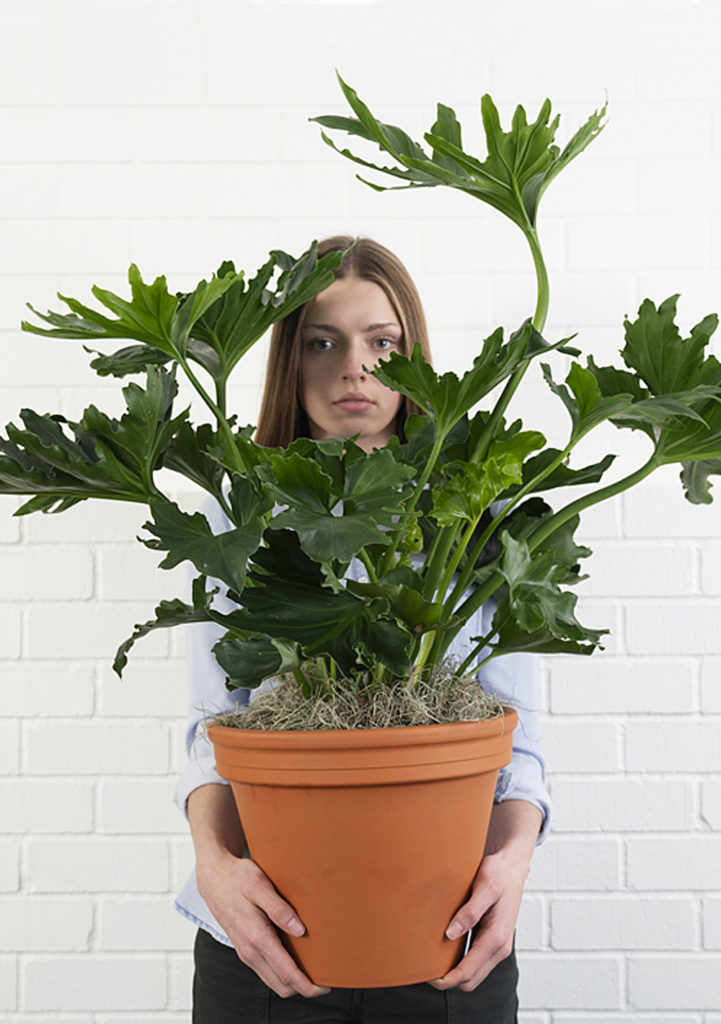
{"x": 353, "y": 363}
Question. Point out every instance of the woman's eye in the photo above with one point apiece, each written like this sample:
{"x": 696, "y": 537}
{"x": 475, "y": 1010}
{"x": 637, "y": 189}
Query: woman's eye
{"x": 320, "y": 344}
{"x": 385, "y": 343}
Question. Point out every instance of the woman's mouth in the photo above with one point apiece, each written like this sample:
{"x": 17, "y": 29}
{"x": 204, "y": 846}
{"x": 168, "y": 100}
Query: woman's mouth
{"x": 354, "y": 402}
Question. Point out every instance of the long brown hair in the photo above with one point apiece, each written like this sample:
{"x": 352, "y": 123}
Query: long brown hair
{"x": 282, "y": 419}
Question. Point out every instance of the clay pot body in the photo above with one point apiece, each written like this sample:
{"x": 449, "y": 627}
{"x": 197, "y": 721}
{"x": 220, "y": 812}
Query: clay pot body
{"x": 374, "y": 836}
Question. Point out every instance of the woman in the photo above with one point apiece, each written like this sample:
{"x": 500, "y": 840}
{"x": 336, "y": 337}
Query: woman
{"x": 317, "y": 385}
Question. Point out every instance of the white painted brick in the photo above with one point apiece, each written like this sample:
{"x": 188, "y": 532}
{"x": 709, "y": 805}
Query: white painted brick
{"x": 90, "y": 982}
{"x": 129, "y": 572}
{"x": 9, "y": 747}
{"x": 614, "y": 686}
{"x": 711, "y": 685}
{"x": 137, "y": 806}
{"x": 45, "y": 806}
{"x": 611, "y": 182}
{"x": 96, "y": 865}
{"x": 39, "y": 925}
{"x": 680, "y": 983}
{"x": 89, "y": 522}
{"x": 146, "y": 688}
{"x": 96, "y": 748}
{"x": 31, "y": 574}
{"x": 503, "y": 249}
{"x": 32, "y": 688}
{"x": 674, "y": 745}
{"x": 711, "y": 803}
{"x": 9, "y": 631}
{"x": 679, "y": 71}
{"x": 615, "y": 243}
{"x": 134, "y": 924}
{"x": 622, "y": 924}
{"x": 91, "y": 247}
{"x": 45, "y": 136}
{"x": 627, "y": 1017}
{"x": 712, "y": 923}
{"x": 658, "y": 569}
{"x": 662, "y": 511}
{"x": 9, "y": 864}
{"x": 571, "y": 864}
{"x": 622, "y": 805}
{"x": 9, "y": 524}
{"x": 570, "y": 982}
{"x": 161, "y": 135}
{"x": 581, "y": 746}
{"x": 687, "y": 627}
{"x": 470, "y": 298}
{"x": 38, "y": 363}
{"x": 636, "y": 129}
{"x": 147, "y": 1018}
{"x": 29, "y": 191}
{"x": 673, "y": 863}
{"x": 26, "y": 55}
{"x": 582, "y": 300}
{"x": 92, "y": 631}
{"x": 531, "y": 925}
{"x": 121, "y": 192}
{"x": 664, "y": 184}
{"x": 601, "y": 614}
{"x": 181, "y": 969}
{"x": 711, "y": 569}
{"x": 8, "y": 983}
{"x": 306, "y": 191}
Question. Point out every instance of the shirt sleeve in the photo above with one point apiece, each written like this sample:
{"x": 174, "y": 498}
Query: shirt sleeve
{"x": 514, "y": 678}
{"x": 208, "y": 695}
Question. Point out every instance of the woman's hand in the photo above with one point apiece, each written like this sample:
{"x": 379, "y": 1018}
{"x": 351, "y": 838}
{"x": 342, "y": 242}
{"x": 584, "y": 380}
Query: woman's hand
{"x": 495, "y": 895}
{"x": 240, "y": 896}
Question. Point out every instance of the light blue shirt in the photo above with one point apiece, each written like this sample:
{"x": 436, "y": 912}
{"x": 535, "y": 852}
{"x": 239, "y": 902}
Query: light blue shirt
{"x": 513, "y": 678}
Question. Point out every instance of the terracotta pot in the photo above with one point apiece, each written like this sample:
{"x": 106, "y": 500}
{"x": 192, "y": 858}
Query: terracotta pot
{"x": 373, "y": 835}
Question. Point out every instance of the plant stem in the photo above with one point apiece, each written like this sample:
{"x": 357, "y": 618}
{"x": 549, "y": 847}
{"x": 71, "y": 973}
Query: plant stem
{"x": 231, "y": 452}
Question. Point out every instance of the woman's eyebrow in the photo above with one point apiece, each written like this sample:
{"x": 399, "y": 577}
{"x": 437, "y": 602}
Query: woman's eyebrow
{"x": 366, "y": 330}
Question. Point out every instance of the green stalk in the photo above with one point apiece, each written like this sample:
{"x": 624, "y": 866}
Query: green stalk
{"x": 231, "y": 452}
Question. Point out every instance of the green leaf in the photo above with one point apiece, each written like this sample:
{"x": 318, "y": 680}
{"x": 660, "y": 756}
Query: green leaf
{"x": 582, "y": 397}
{"x": 185, "y": 536}
{"x": 695, "y": 480}
{"x": 511, "y": 638}
{"x": 247, "y": 662}
{"x": 131, "y": 359}
{"x": 656, "y": 351}
{"x": 519, "y": 166}
{"x": 168, "y": 614}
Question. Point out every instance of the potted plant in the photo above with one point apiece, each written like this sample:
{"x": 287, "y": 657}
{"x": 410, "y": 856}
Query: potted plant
{"x": 451, "y": 516}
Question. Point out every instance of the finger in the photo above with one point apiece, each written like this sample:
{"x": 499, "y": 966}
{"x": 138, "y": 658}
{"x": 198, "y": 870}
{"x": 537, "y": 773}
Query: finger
{"x": 264, "y": 895}
{"x": 489, "y": 948}
{"x": 468, "y": 916}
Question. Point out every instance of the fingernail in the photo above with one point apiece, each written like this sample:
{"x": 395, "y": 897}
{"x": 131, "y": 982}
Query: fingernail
{"x": 323, "y": 991}
{"x": 295, "y": 927}
{"x": 454, "y": 930}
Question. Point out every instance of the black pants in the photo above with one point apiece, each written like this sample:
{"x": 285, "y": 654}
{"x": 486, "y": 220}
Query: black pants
{"x": 225, "y": 991}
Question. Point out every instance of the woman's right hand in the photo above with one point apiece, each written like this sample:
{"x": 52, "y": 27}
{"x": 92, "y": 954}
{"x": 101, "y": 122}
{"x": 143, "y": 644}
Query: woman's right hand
{"x": 240, "y": 895}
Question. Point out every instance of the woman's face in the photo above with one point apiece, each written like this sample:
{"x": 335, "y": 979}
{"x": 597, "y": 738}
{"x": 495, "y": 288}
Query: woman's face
{"x": 350, "y": 325}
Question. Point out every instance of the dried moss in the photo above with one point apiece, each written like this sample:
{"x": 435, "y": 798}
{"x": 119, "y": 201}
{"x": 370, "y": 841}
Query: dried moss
{"x": 444, "y": 699}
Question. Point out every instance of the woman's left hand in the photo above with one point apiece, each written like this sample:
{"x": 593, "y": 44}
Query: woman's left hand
{"x": 492, "y": 909}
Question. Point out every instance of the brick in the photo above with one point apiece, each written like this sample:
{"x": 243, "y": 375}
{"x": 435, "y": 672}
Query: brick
{"x": 45, "y": 136}
{"x": 637, "y": 128}
{"x": 9, "y": 747}
{"x": 181, "y": 970}
{"x": 503, "y": 249}
{"x": 8, "y": 983}
{"x": 163, "y": 1018}
{"x": 29, "y": 191}
{"x": 88, "y": 523}
{"x": 581, "y": 299}
{"x": 570, "y": 982}
{"x": 672, "y": 863}
{"x": 74, "y": 630}
{"x": 581, "y": 746}
{"x": 10, "y": 626}
{"x": 470, "y": 299}
{"x": 664, "y": 184}
{"x": 96, "y": 748}
{"x": 679, "y": 71}
{"x": 45, "y": 925}
{"x": 9, "y": 524}
{"x": 161, "y": 135}
{"x": 129, "y": 572}
{"x": 613, "y": 924}
{"x": 133, "y": 924}
{"x": 711, "y": 909}
{"x": 651, "y": 510}
{"x": 26, "y": 55}
{"x": 571, "y": 864}
{"x": 711, "y": 685}
{"x": 678, "y": 627}
{"x": 711, "y": 569}
{"x": 234, "y": 188}
{"x": 92, "y": 982}
{"x": 30, "y": 574}
{"x": 122, "y": 192}
{"x": 659, "y": 569}
{"x": 147, "y": 687}
{"x": 622, "y": 805}
{"x": 96, "y": 865}
{"x": 531, "y": 926}
{"x": 612, "y": 182}
{"x": 45, "y": 806}
{"x": 674, "y": 745}
{"x": 679, "y": 983}
{"x": 616, "y": 243}
{"x": 138, "y": 806}
{"x": 90, "y": 247}
{"x": 615, "y": 686}
{"x": 627, "y": 1017}
{"x": 711, "y": 803}
{"x": 48, "y": 688}
{"x": 9, "y": 864}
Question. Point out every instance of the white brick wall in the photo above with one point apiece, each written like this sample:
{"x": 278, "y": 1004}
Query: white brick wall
{"x": 174, "y": 133}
